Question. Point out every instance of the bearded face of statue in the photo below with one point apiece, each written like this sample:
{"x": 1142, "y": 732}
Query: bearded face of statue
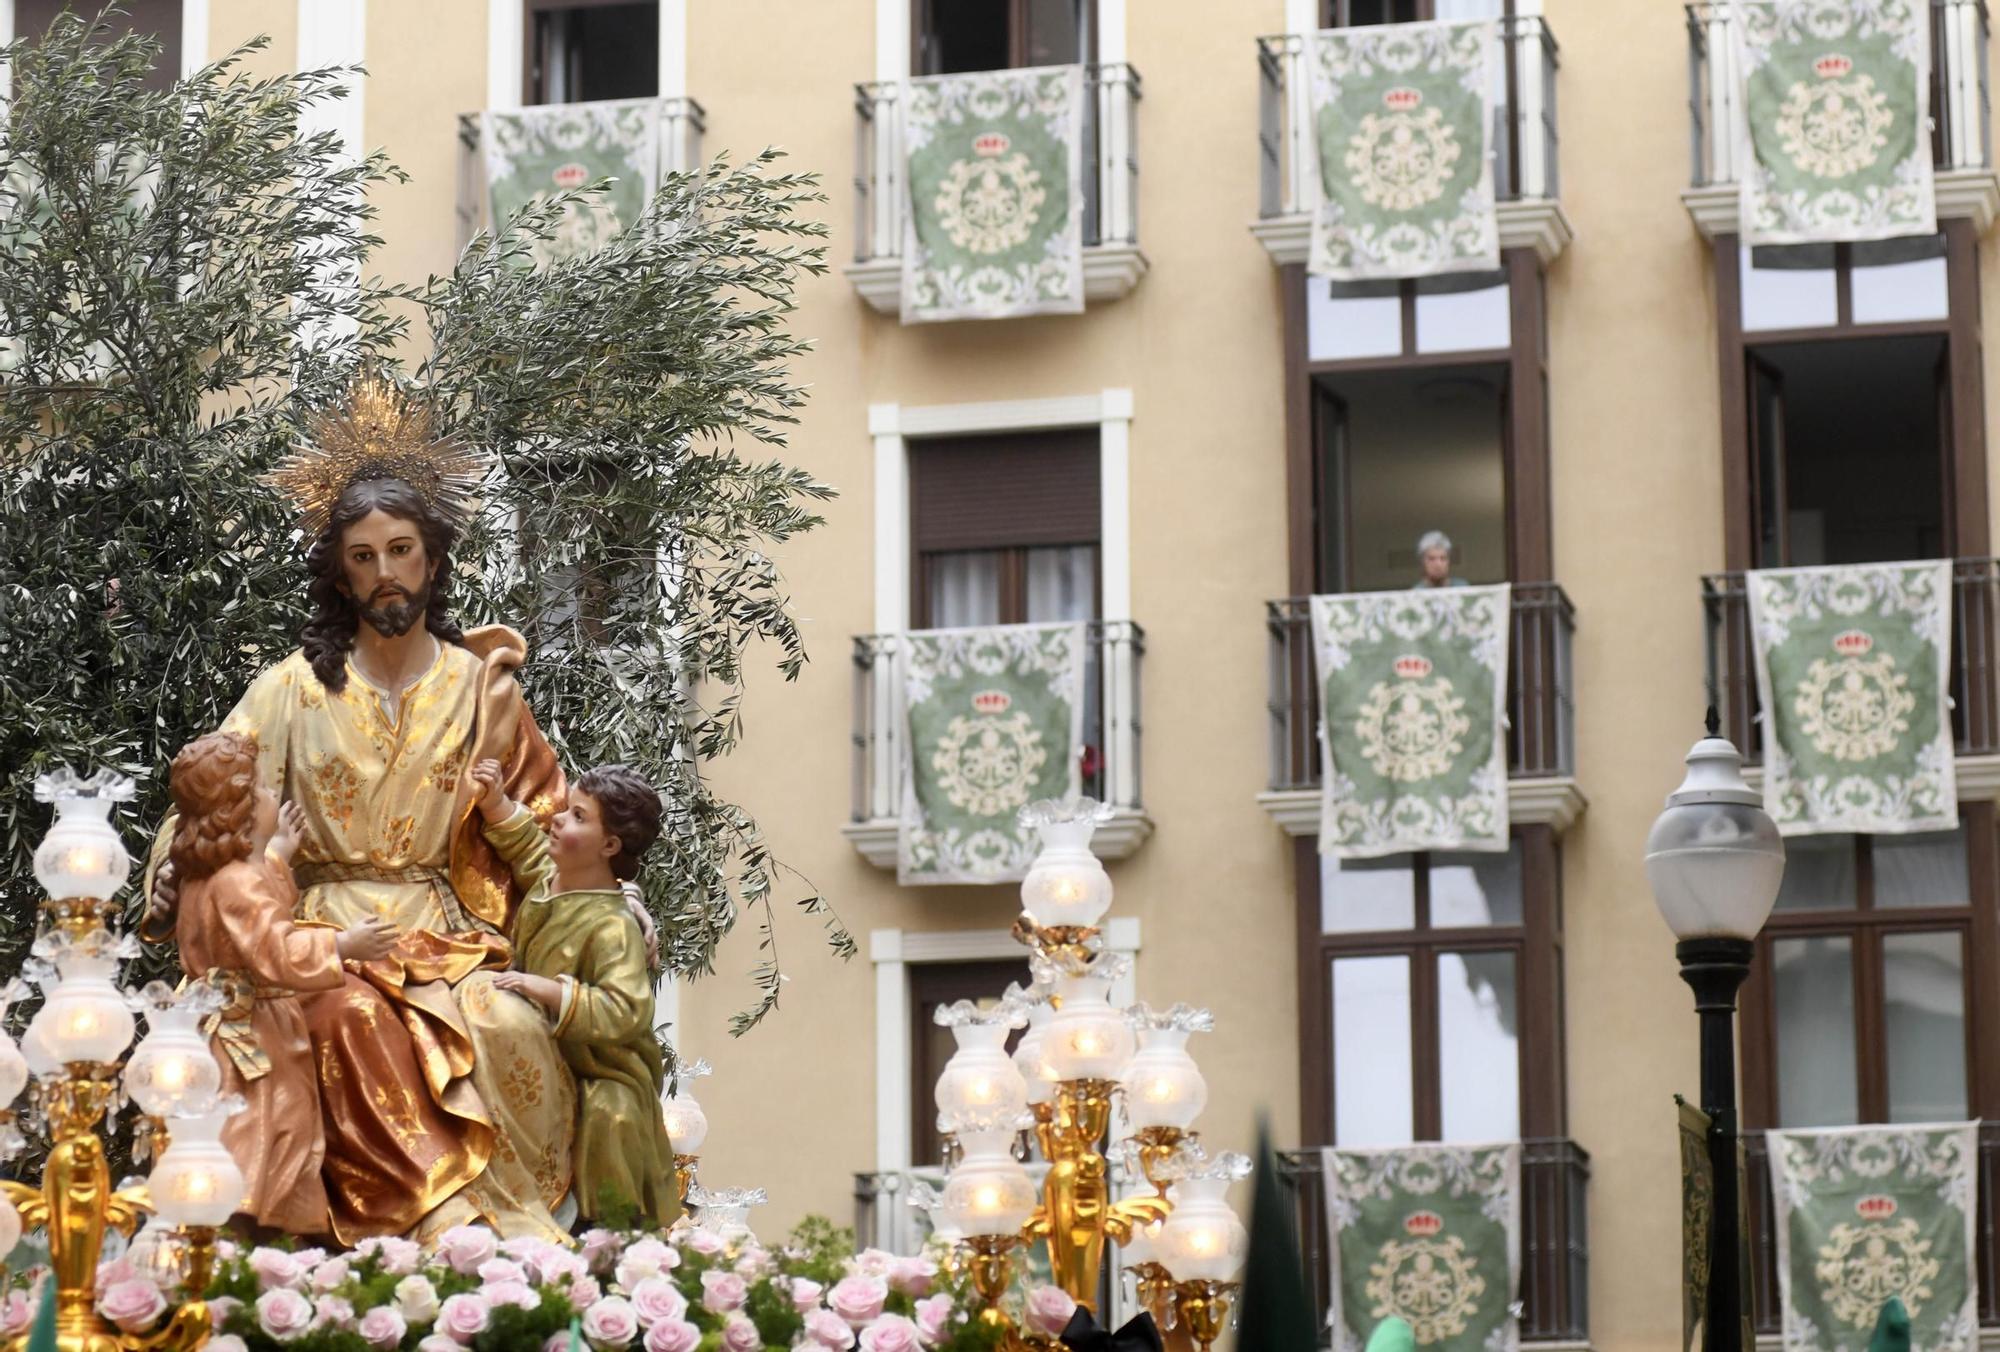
{"x": 386, "y": 570}
{"x": 384, "y": 560}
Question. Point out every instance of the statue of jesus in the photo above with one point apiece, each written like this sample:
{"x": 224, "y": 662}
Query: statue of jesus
{"x": 370, "y": 728}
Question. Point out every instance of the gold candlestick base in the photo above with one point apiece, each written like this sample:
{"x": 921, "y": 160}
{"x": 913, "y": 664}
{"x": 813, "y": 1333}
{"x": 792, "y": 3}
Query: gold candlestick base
{"x": 1203, "y": 1306}
{"x": 989, "y": 1262}
{"x": 1157, "y": 1145}
{"x": 1156, "y": 1290}
{"x": 684, "y": 1167}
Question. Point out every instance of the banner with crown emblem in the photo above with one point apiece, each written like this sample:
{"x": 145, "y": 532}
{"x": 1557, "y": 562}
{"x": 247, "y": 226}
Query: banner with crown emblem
{"x": 1413, "y": 689}
{"x": 1853, "y": 673}
{"x": 1835, "y": 141}
{"x": 533, "y": 153}
{"x": 995, "y": 165}
{"x": 993, "y": 721}
{"x": 1864, "y": 1214}
{"x": 1402, "y": 116}
{"x": 1430, "y": 1234}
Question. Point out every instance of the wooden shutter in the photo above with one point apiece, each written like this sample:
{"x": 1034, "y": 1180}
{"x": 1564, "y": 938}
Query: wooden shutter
{"x": 1001, "y": 492}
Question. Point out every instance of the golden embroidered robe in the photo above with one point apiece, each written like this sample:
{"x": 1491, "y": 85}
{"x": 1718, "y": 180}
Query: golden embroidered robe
{"x": 392, "y": 831}
{"x": 590, "y": 942}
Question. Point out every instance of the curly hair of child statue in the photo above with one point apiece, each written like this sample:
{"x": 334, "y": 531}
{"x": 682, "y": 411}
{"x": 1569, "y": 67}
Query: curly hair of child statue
{"x": 214, "y": 785}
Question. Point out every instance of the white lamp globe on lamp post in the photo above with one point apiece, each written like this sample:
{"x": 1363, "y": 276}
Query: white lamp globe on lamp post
{"x": 1715, "y": 861}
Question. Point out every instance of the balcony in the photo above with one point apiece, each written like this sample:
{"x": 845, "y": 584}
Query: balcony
{"x": 1115, "y": 649}
{"x": 1961, "y": 145}
{"x": 681, "y": 125}
{"x": 1525, "y": 185}
{"x": 1112, "y": 263}
{"x": 1975, "y": 680}
{"x": 1555, "y": 1240}
{"x": 1541, "y": 750}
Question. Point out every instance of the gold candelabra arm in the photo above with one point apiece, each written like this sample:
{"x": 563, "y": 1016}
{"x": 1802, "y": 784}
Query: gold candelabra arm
{"x": 126, "y": 1209}
{"x": 1203, "y": 1306}
{"x": 1038, "y": 1225}
{"x": 34, "y": 1208}
{"x": 1133, "y": 1213}
{"x": 188, "y": 1329}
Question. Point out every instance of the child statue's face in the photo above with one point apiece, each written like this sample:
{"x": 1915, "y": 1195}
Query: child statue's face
{"x": 577, "y": 839}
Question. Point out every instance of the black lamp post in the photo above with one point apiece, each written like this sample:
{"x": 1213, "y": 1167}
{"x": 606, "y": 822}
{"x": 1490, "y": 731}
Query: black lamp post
{"x": 1714, "y": 860}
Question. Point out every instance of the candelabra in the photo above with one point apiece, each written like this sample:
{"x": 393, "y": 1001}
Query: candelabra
{"x": 687, "y": 1124}
{"x": 73, "y": 1047}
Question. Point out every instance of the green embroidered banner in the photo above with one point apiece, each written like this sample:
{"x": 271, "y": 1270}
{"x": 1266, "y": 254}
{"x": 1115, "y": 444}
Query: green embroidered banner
{"x": 1430, "y": 1234}
{"x": 993, "y": 721}
{"x": 1853, "y": 671}
{"x": 1413, "y": 689}
{"x": 1867, "y": 1213}
{"x": 535, "y": 153}
{"x": 1836, "y": 142}
{"x": 995, "y": 164}
{"x": 1697, "y": 1220}
{"x": 1402, "y": 115}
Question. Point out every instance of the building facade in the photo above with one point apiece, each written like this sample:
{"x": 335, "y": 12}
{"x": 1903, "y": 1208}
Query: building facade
{"x": 1625, "y": 416}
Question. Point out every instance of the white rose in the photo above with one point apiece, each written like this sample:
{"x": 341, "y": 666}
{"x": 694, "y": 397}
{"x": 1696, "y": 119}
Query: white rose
{"x": 417, "y": 1300}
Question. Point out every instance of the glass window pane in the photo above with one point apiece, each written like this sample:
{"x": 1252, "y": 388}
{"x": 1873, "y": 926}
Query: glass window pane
{"x": 1819, "y": 874}
{"x": 1353, "y": 319}
{"x": 1371, "y": 1051}
{"x": 1789, "y": 287}
{"x": 1062, "y": 583}
{"x": 1922, "y": 870}
{"x": 1479, "y": 1062}
{"x": 1054, "y": 33}
{"x": 1476, "y": 889}
{"x": 1896, "y": 280}
{"x": 1923, "y": 1023}
{"x": 1462, "y": 314}
{"x": 1813, "y": 981}
{"x": 1356, "y": 895}
{"x": 963, "y": 588}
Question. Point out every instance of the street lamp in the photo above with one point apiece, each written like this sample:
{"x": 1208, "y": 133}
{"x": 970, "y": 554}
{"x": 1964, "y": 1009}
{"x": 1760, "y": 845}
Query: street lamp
{"x": 1714, "y": 860}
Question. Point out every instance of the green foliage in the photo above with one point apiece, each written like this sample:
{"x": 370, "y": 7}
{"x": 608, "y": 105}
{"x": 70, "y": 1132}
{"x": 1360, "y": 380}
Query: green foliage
{"x": 183, "y": 278}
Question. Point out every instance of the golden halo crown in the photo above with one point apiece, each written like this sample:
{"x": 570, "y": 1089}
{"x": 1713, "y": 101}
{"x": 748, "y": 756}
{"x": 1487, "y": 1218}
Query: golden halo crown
{"x": 378, "y": 432}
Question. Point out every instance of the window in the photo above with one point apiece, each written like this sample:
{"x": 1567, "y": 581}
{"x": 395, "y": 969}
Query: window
{"x": 1812, "y": 286}
{"x": 160, "y": 18}
{"x": 584, "y": 50}
{"x": 932, "y": 986}
{"x": 1420, "y": 963}
{"x": 964, "y": 35}
{"x": 1354, "y": 13}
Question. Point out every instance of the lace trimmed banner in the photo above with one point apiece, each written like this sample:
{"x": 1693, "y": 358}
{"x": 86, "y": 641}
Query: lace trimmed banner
{"x": 1853, "y": 672}
{"x": 1413, "y": 688}
{"x": 1868, "y": 1213}
{"x": 1430, "y": 1234}
{"x": 1402, "y": 115}
{"x": 1835, "y": 141}
{"x": 535, "y": 153}
{"x": 995, "y": 168}
{"x": 993, "y": 721}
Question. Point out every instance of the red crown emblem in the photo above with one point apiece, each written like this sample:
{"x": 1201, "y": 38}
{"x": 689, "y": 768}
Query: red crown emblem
{"x": 1411, "y": 667}
{"x": 1852, "y": 643}
{"x": 1875, "y": 1208}
{"x": 571, "y": 176}
{"x": 1401, "y": 99}
{"x": 991, "y": 701}
{"x": 1833, "y": 65}
{"x": 990, "y": 143}
{"x": 1423, "y": 1223}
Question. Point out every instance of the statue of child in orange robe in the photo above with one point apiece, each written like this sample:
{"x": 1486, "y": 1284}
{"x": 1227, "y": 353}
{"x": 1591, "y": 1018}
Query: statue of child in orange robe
{"x": 232, "y": 849}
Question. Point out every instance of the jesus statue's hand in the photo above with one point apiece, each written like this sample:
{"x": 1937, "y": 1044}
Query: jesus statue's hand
{"x": 542, "y": 990}
{"x": 493, "y": 803}
{"x": 367, "y": 940}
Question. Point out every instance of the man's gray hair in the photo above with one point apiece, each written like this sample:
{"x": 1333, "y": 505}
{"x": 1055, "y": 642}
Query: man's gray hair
{"x": 1433, "y": 539}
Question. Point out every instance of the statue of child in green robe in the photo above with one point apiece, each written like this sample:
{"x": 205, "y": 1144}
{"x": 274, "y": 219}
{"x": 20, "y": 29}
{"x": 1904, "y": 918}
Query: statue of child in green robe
{"x": 580, "y": 955}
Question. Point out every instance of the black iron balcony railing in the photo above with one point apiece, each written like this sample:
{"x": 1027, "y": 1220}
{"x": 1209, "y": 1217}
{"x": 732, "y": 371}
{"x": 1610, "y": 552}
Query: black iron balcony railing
{"x": 1555, "y": 1238}
{"x": 1975, "y": 612}
{"x": 1114, "y": 651}
{"x": 1110, "y": 163}
{"x": 1524, "y": 132}
{"x": 1540, "y": 700}
{"x": 1960, "y": 135}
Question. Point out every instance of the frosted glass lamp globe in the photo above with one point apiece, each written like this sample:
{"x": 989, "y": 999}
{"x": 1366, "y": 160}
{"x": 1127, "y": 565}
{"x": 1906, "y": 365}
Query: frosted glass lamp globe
{"x": 1163, "y": 1085}
{"x": 1031, "y": 1056}
{"x": 1203, "y": 1240}
{"x": 687, "y": 1124}
{"x": 1087, "y": 1039}
{"x": 172, "y": 1071}
{"x": 197, "y": 1181}
{"x": 82, "y": 856}
{"x": 980, "y": 1080}
{"x": 1066, "y": 884}
{"x": 1714, "y": 858}
{"x": 85, "y": 1017}
{"x": 989, "y": 1193}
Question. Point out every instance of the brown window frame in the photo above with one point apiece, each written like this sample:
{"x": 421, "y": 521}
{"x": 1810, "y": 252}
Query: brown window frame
{"x": 1536, "y": 944}
{"x": 932, "y": 984}
{"x": 1338, "y": 13}
{"x": 1017, "y": 34}
{"x": 533, "y": 79}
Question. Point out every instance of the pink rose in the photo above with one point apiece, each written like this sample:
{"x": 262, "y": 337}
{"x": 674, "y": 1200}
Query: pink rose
{"x": 600, "y": 1249}
{"x": 381, "y": 1327}
{"x": 309, "y": 1258}
{"x": 333, "y": 1312}
{"x": 740, "y": 1335}
{"x": 873, "y": 1263}
{"x": 397, "y": 1257}
{"x": 131, "y": 1305}
{"x": 437, "y": 1342}
{"x": 828, "y": 1329}
{"x": 555, "y": 1266}
{"x": 501, "y": 1270}
{"x": 583, "y": 1291}
{"x": 119, "y": 1269}
{"x": 704, "y": 1242}
{"x": 611, "y": 1323}
{"x": 890, "y": 1333}
{"x": 226, "y": 1250}
{"x": 275, "y": 1268}
{"x": 465, "y": 1247}
{"x": 225, "y": 1342}
{"x": 913, "y": 1276}
{"x": 518, "y": 1294}
{"x": 805, "y": 1294}
{"x": 464, "y": 1316}
{"x": 17, "y": 1314}
{"x": 284, "y": 1313}
{"x": 328, "y": 1275}
{"x": 858, "y": 1299}
{"x": 646, "y": 1258}
{"x": 1049, "y": 1309}
{"x": 934, "y": 1318}
{"x": 558, "y": 1342}
{"x": 220, "y": 1309}
{"x": 753, "y": 1263}
{"x": 672, "y": 1335}
{"x": 722, "y": 1292}
{"x": 656, "y": 1299}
